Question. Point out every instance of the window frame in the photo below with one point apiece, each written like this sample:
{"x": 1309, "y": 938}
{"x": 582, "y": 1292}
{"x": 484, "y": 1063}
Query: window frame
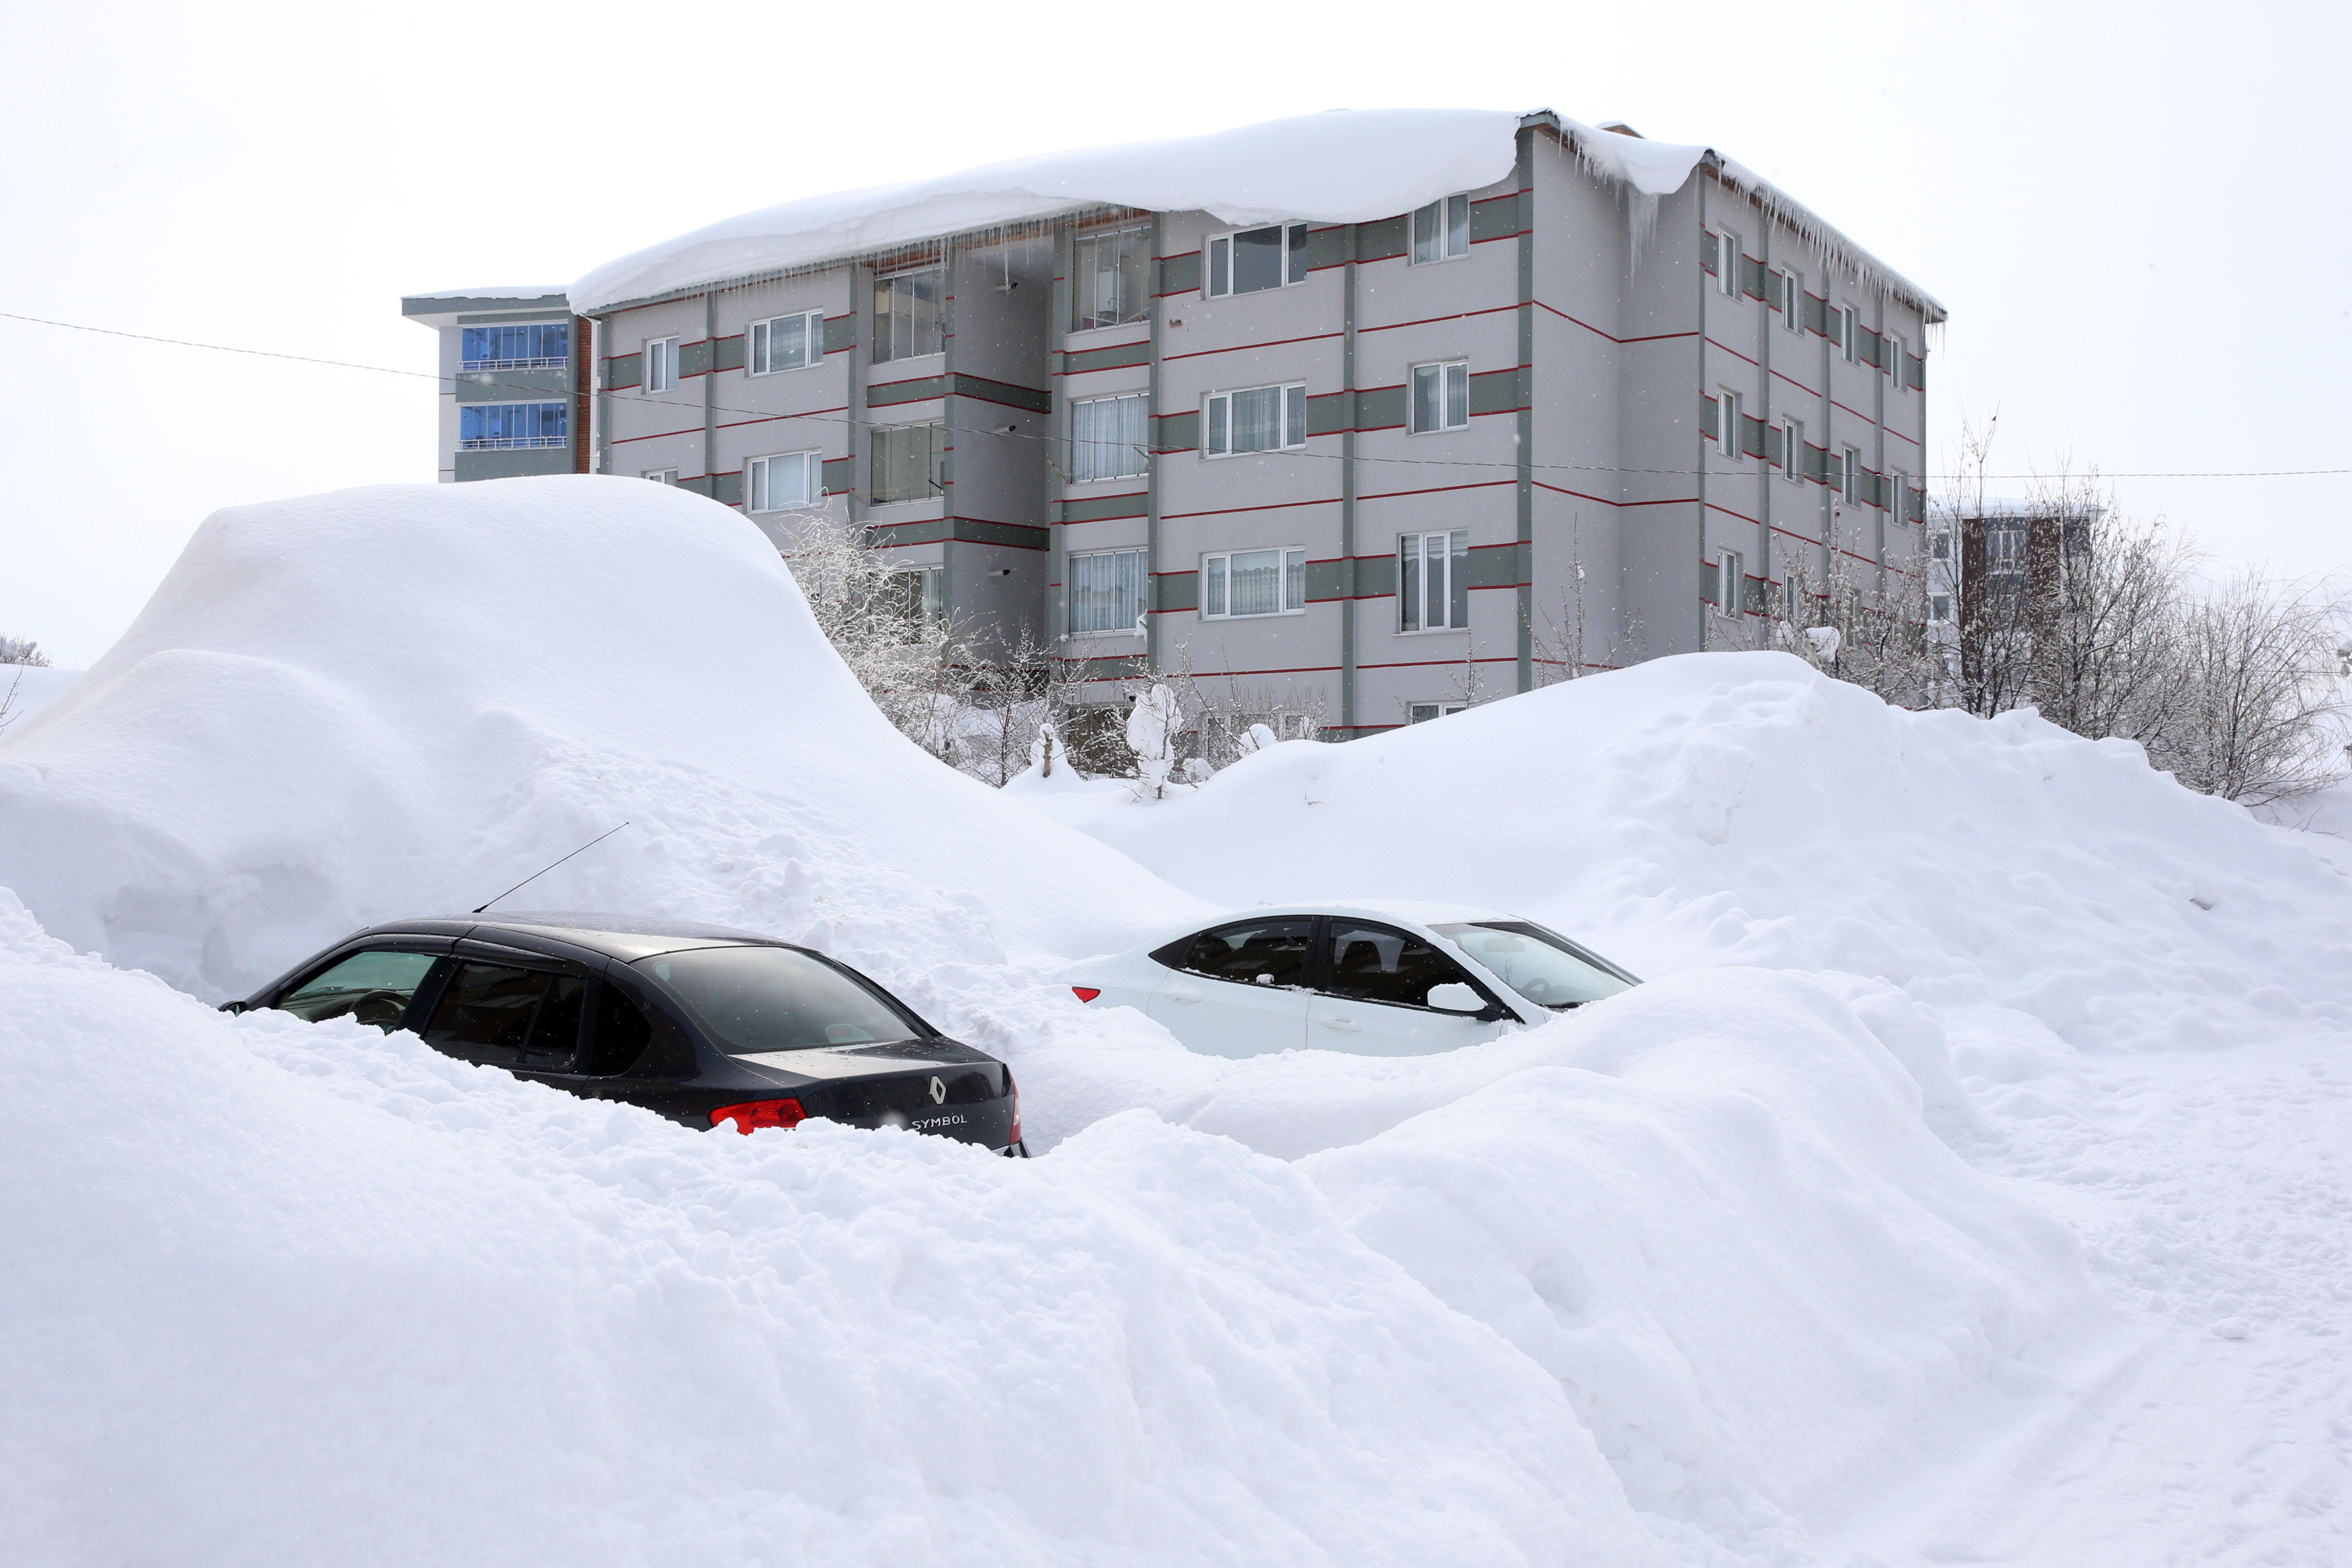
{"x": 1726, "y": 425}
{"x": 1444, "y": 396}
{"x": 1849, "y": 330}
{"x": 1294, "y": 259}
{"x": 1849, "y": 482}
{"x": 1729, "y": 582}
{"x": 1285, "y": 552}
{"x": 561, "y": 439}
{"x": 1727, "y": 256}
{"x": 662, "y": 351}
{"x": 660, "y": 476}
{"x": 937, "y": 269}
{"x": 1443, "y": 207}
{"x": 1893, "y": 352}
{"x": 538, "y": 361}
{"x": 1792, "y": 449}
{"x": 1412, "y": 620}
{"x": 814, "y": 467}
{"x": 1793, "y": 294}
{"x": 1143, "y": 592}
{"x": 1445, "y": 710}
{"x": 812, "y": 330}
{"x": 1142, "y": 457}
{"x": 937, "y": 492}
{"x": 1113, "y": 231}
{"x": 1209, "y": 399}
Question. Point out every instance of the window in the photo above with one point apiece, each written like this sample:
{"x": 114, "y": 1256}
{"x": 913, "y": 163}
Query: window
{"x": 1256, "y": 258}
{"x": 789, "y": 479}
{"x": 1729, "y": 584}
{"x": 787, "y": 342}
{"x": 1943, "y": 547}
{"x": 1939, "y": 606}
{"x": 2004, "y": 548}
{"x": 1381, "y": 963}
{"x": 503, "y": 426}
{"x": 1541, "y": 965}
{"x": 917, "y": 593}
{"x": 754, "y": 1000}
{"x": 1253, "y": 953}
{"x": 660, "y": 364}
{"x": 1422, "y": 712}
{"x": 1726, "y": 424}
{"x": 1253, "y": 582}
{"x": 515, "y": 1017}
{"x": 906, "y": 317}
{"x": 530, "y": 345}
{"x": 1895, "y": 495}
{"x": 1893, "y": 354}
{"x": 1110, "y": 281}
{"x": 1793, "y": 300}
{"x": 1441, "y": 231}
{"x": 1107, "y": 438}
{"x": 371, "y": 987}
{"x": 1107, "y": 588}
{"x": 1793, "y": 451}
{"x": 662, "y": 475}
{"x": 1440, "y": 397}
{"x": 1850, "y": 333}
{"x": 907, "y": 462}
{"x": 1259, "y": 419}
{"x": 1849, "y": 478}
{"x": 1434, "y": 582}
{"x": 1726, "y": 263}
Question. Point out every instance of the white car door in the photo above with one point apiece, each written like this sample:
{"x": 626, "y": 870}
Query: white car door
{"x": 1241, "y": 991}
{"x": 1375, "y": 995}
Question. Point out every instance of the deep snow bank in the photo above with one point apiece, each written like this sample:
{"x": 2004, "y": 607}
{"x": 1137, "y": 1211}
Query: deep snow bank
{"x": 1743, "y": 808}
{"x": 289, "y": 1292}
{"x": 402, "y": 700}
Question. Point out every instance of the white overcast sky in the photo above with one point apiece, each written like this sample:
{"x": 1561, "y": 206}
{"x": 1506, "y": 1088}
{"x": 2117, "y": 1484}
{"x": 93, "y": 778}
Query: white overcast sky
{"x": 2133, "y": 212}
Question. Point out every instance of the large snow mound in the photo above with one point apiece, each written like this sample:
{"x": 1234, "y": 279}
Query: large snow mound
{"x": 1745, "y": 809}
{"x": 1687, "y": 1275}
{"x": 400, "y": 700}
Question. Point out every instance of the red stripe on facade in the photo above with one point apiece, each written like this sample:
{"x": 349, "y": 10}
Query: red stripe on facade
{"x": 1246, "y": 348}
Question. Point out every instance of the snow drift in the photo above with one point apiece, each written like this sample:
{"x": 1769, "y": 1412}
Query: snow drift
{"x": 1745, "y": 809}
{"x": 400, "y": 700}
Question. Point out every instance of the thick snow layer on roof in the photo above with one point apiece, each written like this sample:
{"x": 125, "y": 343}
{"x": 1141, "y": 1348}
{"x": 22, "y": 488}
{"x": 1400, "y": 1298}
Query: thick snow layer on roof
{"x": 1343, "y": 166}
{"x": 399, "y": 700}
{"x": 509, "y": 291}
{"x": 1340, "y": 166}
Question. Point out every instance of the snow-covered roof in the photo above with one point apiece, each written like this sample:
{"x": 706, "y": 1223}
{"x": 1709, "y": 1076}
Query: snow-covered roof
{"x": 502, "y": 291}
{"x": 1340, "y": 166}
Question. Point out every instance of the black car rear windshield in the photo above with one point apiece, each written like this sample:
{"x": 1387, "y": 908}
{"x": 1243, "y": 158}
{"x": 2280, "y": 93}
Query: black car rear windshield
{"x": 755, "y": 999}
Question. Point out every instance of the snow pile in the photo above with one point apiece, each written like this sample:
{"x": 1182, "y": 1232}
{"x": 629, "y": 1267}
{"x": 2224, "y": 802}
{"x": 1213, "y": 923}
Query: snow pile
{"x": 1744, "y": 809}
{"x": 401, "y": 700}
{"x": 309, "y": 1292}
{"x": 27, "y": 689}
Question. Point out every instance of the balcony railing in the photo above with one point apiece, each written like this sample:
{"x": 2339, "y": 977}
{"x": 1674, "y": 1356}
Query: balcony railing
{"x": 556, "y": 363}
{"x": 510, "y": 443}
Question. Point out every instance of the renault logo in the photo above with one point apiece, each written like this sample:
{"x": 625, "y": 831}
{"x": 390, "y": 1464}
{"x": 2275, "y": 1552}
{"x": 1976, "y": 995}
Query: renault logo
{"x": 938, "y": 1092}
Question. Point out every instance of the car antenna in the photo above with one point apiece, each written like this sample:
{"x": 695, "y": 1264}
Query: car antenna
{"x": 551, "y": 865}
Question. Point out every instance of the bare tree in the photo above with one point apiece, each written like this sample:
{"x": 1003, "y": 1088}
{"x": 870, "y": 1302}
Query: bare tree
{"x": 1560, "y": 636}
{"x": 909, "y": 662}
{"x": 2263, "y": 720}
{"x": 22, "y": 650}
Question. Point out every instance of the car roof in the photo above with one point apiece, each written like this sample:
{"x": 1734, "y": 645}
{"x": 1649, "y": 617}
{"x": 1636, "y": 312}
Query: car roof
{"x": 624, "y": 937}
{"x": 1416, "y": 911}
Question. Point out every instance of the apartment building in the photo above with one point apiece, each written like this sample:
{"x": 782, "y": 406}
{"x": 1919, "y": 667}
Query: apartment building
{"x": 515, "y": 394}
{"x": 1366, "y": 415}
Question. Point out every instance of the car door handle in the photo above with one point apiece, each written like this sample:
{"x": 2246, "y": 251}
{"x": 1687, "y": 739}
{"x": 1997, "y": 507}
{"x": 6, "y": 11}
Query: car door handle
{"x": 1345, "y": 1025}
{"x": 1182, "y": 994}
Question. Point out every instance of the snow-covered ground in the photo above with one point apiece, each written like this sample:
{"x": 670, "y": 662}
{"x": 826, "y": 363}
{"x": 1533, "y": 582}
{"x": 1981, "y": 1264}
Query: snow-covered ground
{"x": 1967, "y": 1182}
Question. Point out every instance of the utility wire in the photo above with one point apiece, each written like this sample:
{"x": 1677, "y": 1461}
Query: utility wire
{"x": 488, "y": 378}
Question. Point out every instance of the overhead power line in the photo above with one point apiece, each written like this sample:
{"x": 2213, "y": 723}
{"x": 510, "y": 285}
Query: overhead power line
{"x": 484, "y": 378}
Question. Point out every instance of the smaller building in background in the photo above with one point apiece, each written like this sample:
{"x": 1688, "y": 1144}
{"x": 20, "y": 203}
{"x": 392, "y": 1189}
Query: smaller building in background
{"x": 514, "y": 381}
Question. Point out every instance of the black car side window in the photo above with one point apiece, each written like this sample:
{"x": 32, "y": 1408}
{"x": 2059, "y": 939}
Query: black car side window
{"x": 1381, "y": 963}
{"x": 371, "y": 987}
{"x": 514, "y": 1018}
{"x": 622, "y": 1032}
{"x": 1255, "y": 952}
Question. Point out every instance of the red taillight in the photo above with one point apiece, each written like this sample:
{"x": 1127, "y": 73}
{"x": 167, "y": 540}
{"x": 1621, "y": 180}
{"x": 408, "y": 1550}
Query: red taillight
{"x": 759, "y": 1113}
{"x": 1085, "y": 992}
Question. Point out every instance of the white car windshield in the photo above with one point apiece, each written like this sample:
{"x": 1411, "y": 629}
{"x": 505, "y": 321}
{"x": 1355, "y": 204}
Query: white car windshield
{"x": 1547, "y": 969}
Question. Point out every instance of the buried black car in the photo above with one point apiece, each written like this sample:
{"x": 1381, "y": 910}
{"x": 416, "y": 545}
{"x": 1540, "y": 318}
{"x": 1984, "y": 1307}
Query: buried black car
{"x": 704, "y": 1024}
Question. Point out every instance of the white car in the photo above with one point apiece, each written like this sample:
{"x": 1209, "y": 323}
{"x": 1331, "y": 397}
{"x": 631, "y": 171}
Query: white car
{"x": 1376, "y": 979}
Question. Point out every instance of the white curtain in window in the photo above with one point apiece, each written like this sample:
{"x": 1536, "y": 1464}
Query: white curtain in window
{"x": 1257, "y": 419}
{"x": 1107, "y": 438}
{"x": 774, "y": 483}
{"x": 1106, "y": 591}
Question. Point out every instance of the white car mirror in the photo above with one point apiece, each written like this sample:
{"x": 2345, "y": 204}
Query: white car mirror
{"x": 1456, "y": 997}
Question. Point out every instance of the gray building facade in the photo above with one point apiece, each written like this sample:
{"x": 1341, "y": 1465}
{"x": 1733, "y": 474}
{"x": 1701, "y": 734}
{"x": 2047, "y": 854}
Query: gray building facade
{"x": 515, "y": 391}
{"x": 1367, "y": 472}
